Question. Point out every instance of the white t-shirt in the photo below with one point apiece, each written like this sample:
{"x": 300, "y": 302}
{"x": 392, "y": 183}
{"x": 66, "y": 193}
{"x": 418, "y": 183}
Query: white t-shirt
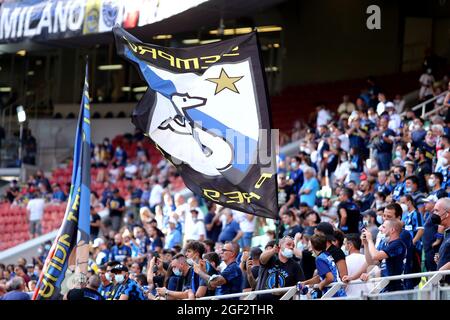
{"x": 380, "y": 108}
{"x": 189, "y": 222}
{"x": 244, "y": 224}
{"x": 354, "y": 263}
{"x": 36, "y": 207}
{"x": 130, "y": 171}
{"x": 198, "y": 229}
{"x": 155, "y": 195}
{"x": 426, "y": 80}
{"x": 323, "y": 116}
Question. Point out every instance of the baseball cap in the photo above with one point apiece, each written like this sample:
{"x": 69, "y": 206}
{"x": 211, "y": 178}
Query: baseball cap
{"x": 327, "y": 229}
{"x": 389, "y": 104}
{"x": 430, "y": 198}
{"x": 371, "y": 213}
{"x": 97, "y": 242}
{"x": 119, "y": 268}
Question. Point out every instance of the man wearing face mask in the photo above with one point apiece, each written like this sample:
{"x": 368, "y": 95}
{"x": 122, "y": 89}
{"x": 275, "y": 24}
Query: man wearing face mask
{"x": 194, "y": 252}
{"x": 444, "y": 169}
{"x": 431, "y": 238}
{"x": 394, "y": 252}
{"x": 441, "y": 216}
{"x": 435, "y": 184}
{"x": 128, "y": 289}
{"x": 412, "y": 188}
{"x": 295, "y": 177}
{"x": 279, "y": 269}
{"x": 108, "y": 286}
{"x": 399, "y": 189}
{"x": 354, "y": 260}
{"x": 418, "y": 133}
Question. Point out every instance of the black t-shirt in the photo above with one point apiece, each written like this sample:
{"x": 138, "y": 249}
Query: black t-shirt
{"x": 308, "y": 264}
{"x": 383, "y": 146}
{"x": 84, "y": 294}
{"x": 336, "y": 253}
{"x": 94, "y": 230}
{"x": 423, "y": 169}
{"x": 288, "y": 275}
{"x": 114, "y": 204}
{"x": 255, "y": 273}
{"x": 10, "y": 194}
{"x": 284, "y": 193}
{"x": 353, "y": 217}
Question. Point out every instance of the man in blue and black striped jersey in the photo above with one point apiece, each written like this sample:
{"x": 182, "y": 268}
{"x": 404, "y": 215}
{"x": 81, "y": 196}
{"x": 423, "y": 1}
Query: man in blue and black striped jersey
{"x": 128, "y": 289}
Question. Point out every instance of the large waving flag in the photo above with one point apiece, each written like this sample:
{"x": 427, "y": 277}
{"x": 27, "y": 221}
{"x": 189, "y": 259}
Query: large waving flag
{"x": 68, "y": 257}
{"x": 206, "y": 109}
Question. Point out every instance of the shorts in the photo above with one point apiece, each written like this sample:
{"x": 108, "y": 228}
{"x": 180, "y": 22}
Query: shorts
{"x": 35, "y": 227}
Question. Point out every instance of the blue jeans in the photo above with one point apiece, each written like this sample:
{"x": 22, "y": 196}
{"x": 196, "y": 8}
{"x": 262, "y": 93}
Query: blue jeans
{"x": 384, "y": 160}
{"x": 246, "y": 240}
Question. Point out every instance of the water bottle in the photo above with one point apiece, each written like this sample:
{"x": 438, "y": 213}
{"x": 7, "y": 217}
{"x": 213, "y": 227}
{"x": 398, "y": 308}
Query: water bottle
{"x": 302, "y": 290}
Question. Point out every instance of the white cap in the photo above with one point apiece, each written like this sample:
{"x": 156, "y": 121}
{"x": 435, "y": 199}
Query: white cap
{"x": 389, "y": 104}
{"x": 430, "y": 198}
{"x": 98, "y": 242}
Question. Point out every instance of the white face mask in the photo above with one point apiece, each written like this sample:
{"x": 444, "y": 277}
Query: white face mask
{"x": 444, "y": 162}
{"x": 431, "y": 182}
{"x": 119, "y": 278}
{"x": 346, "y": 252}
{"x": 300, "y": 246}
{"x": 379, "y": 219}
{"x": 398, "y": 154}
{"x": 108, "y": 276}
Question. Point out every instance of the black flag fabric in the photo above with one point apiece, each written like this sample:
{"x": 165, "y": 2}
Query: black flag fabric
{"x": 206, "y": 109}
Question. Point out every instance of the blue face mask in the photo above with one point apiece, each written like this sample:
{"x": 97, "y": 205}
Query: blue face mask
{"x": 408, "y": 189}
{"x": 176, "y": 272}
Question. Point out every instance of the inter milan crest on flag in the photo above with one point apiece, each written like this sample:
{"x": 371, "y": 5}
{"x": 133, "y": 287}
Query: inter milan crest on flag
{"x": 206, "y": 110}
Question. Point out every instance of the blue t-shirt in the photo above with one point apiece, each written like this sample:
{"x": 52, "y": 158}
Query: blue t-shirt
{"x": 297, "y": 176}
{"x": 310, "y": 198}
{"x": 130, "y": 288}
{"x": 214, "y": 233}
{"x": 325, "y": 264}
{"x": 399, "y": 190}
{"x": 229, "y": 232}
{"x": 233, "y": 276}
{"x": 157, "y": 242}
{"x": 414, "y": 222}
{"x": 173, "y": 238}
{"x": 429, "y": 233}
{"x": 394, "y": 264}
{"x": 445, "y": 174}
{"x": 59, "y": 195}
{"x": 383, "y": 146}
{"x": 15, "y": 295}
{"x": 119, "y": 253}
{"x": 384, "y": 188}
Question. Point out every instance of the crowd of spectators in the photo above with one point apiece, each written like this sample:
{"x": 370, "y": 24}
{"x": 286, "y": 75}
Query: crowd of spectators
{"x": 365, "y": 196}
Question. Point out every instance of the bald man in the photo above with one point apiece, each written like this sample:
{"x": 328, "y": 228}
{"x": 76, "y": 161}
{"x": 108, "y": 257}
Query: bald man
{"x": 391, "y": 256}
{"x": 441, "y": 216}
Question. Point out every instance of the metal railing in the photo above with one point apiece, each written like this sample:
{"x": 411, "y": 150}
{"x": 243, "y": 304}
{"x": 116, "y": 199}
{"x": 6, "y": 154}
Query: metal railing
{"x": 423, "y": 105}
{"x": 431, "y": 290}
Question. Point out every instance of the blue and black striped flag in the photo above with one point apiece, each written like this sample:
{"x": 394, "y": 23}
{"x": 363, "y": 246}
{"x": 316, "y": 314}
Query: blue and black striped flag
{"x": 68, "y": 257}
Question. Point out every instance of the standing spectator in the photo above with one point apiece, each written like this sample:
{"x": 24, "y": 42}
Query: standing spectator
{"x": 119, "y": 252}
{"x": 116, "y": 209}
{"x": 279, "y": 269}
{"x": 17, "y": 287}
{"x": 230, "y": 279}
{"x": 309, "y": 188}
{"x": 431, "y": 241}
{"x": 354, "y": 260}
{"x": 348, "y": 211}
{"x": 291, "y": 227}
{"x": 13, "y": 191}
{"x": 247, "y": 226}
{"x": 346, "y": 106}
{"x": 326, "y": 229}
{"x": 130, "y": 169}
{"x": 35, "y": 211}
{"x": 413, "y": 223}
{"x": 381, "y": 106}
{"x": 426, "y": 81}
{"x": 323, "y": 115}
{"x": 394, "y": 252}
{"x": 174, "y": 236}
{"x": 231, "y": 231}
{"x": 384, "y": 145}
{"x": 326, "y": 269}
{"x": 212, "y": 223}
{"x": 286, "y": 194}
{"x": 156, "y": 243}
{"x": 441, "y": 216}
{"x": 155, "y": 194}
{"x": 198, "y": 228}
{"x": 96, "y": 223}
{"x": 90, "y": 292}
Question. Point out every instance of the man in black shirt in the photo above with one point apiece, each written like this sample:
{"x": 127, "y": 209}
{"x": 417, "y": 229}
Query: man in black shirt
{"x": 292, "y": 228}
{"x": 116, "y": 209}
{"x": 286, "y": 194}
{"x": 279, "y": 269}
{"x": 212, "y": 223}
{"x": 326, "y": 229}
{"x": 90, "y": 292}
{"x": 423, "y": 170}
{"x": 348, "y": 212}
